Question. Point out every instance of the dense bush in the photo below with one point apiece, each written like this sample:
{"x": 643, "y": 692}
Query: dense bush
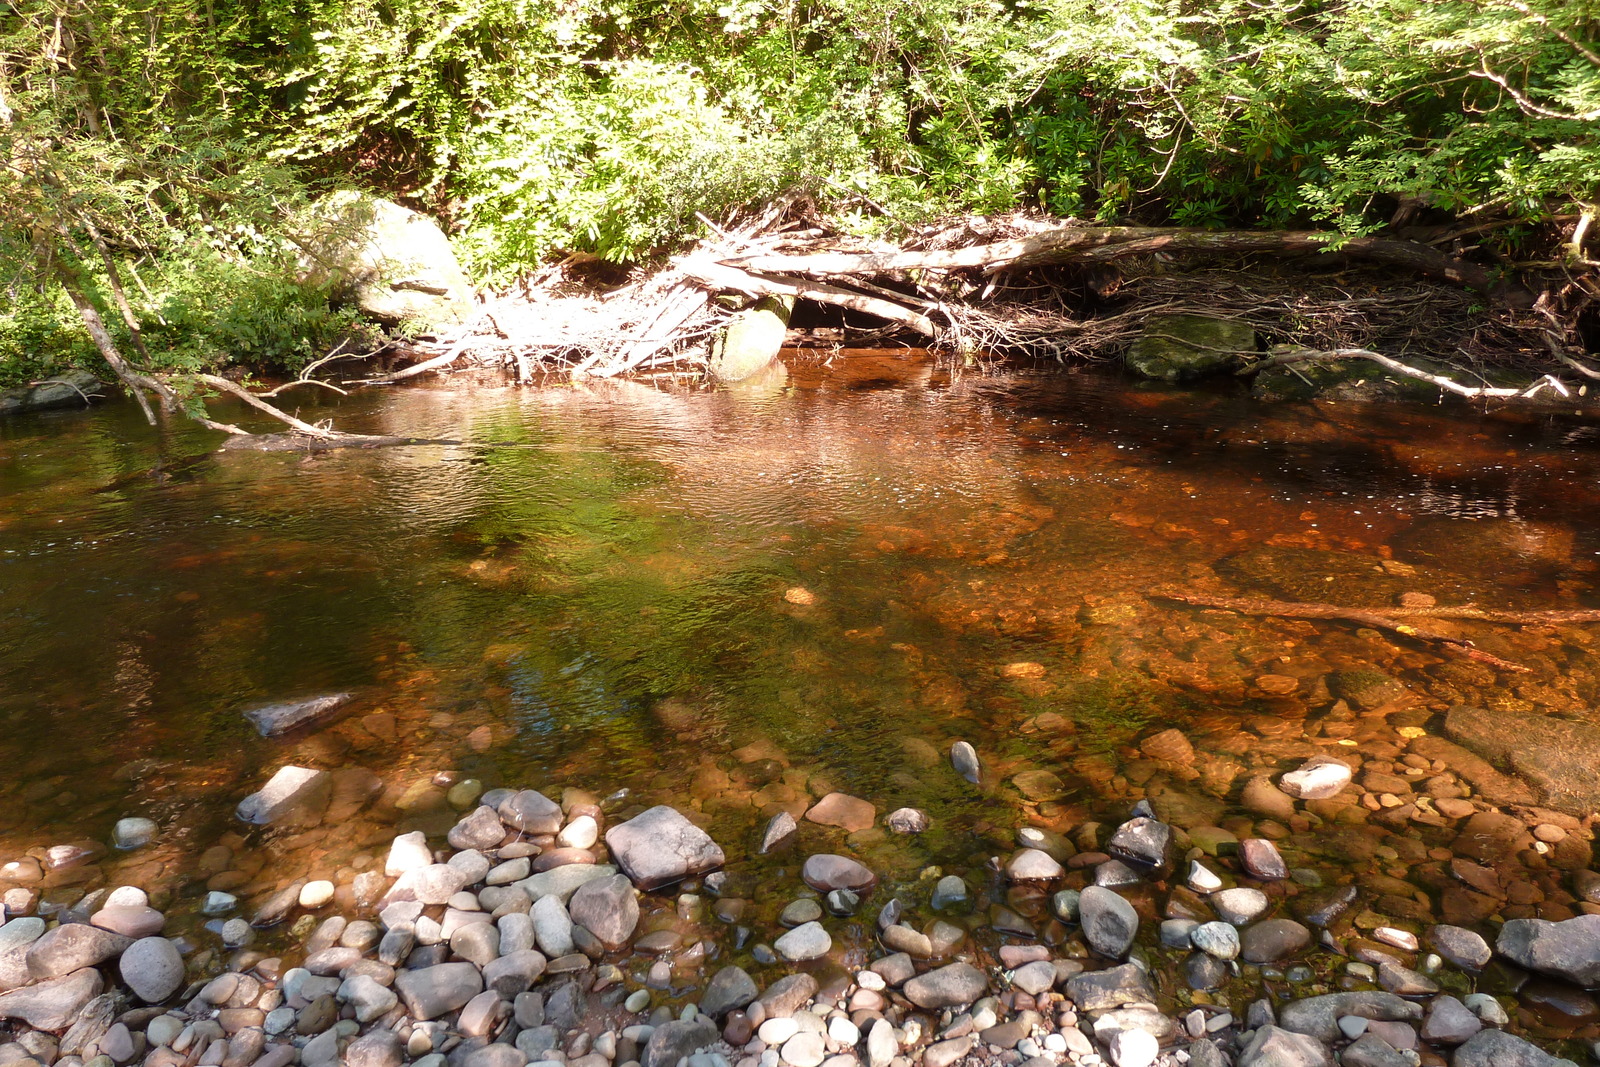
{"x": 605, "y": 126}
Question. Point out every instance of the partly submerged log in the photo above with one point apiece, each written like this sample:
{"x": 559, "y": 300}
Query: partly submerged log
{"x": 1378, "y": 619}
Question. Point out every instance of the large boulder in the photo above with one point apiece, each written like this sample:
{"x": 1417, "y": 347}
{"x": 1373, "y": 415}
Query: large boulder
{"x": 1556, "y": 756}
{"x": 293, "y": 795}
{"x": 659, "y": 846}
{"x": 1177, "y": 348}
{"x": 1568, "y": 949}
{"x": 70, "y": 389}
{"x": 751, "y": 340}
{"x": 396, "y": 265}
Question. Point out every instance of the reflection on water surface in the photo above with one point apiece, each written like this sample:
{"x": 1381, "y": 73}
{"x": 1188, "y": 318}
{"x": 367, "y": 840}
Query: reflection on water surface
{"x": 598, "y": 601}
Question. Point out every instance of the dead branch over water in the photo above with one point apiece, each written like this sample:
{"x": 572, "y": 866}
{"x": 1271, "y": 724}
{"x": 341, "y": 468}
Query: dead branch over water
{"x": 1023, "y": 286}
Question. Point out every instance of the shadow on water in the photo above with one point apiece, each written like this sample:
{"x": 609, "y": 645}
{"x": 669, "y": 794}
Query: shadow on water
{"x": 740, "y": 604}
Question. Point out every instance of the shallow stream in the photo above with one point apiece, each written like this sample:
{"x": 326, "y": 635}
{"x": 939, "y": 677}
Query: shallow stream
{"x": 738, "y": 602}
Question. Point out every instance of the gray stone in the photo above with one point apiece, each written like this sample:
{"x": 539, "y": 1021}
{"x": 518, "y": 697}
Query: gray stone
{"x": 1144, "y": 842}
{"x": 671, "y": 1042}
{"x": 53, "y": 1004}
{"x": 1262, "y": 861}
{"x": 71, "y": 947}
{"x": 1095, "y": 992}
{"x": 1176, "y": 348}
{"x": 780, "y": 831}
{"x": 1569, "y": 949}
{"x": 476, "y": 943}
{"x": 1216, "y": 939}
{"x": 480, "y": 829}
{"x": 531, "y": 812}
{"x": 806, "y": 942}
{"x": 881, "y": 1044}
{"x": 393, "y": 263}
{"x": 947, "y": 987}
{"x": 786, "y": 996}
{"x": 433, "y": 991}
{"x": 271, "y": 720}
{"x": 1319, "y": 1016}
{"x": 1370, "y": 1050}
{"x": 514, "y": 972}
{"x": 1275, "y": 1047}
{"x": 1272, "y": 940}
{"x": 660, "y": 846}
{"x": 1449, "y": 1022}
{"x": 152, "y": 968}
{"x": 1319, "y": 778}
{"x": 1496, "y": 1048}
{"x": 824, "y": 872}
{"x": 132, "y": 833}
{"x": 562, "y": 882}
{"x": 907, "y": 821}
{"x": 1031, "y": 865}
{"x": 1034, "y": 978}
{"x": 293, "y": 795}
{"x": 494, "y": 1055}
{"x": 964, "y": 758}
{"x": 552, "y": 927}
{"x": 729, "y": 989}
{"x": 70, "y": 389}
{"x": 1239, "y": 906}
{"x": 1109, "y": 922}
{"x": 608, "y": 908}
{"x": 1558, "y": 756}
{"x": 950, "y": 893}
{"x": 751, "y": 340}
{"x": 376, "y": 1048}
{"x": 1462, "y": 947}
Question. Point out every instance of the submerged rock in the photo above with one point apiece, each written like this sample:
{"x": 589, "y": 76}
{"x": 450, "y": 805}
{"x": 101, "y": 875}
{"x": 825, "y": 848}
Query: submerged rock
{"x": 1557, "y": 756}
{"x": 1569, "y": 949}
{"x": 72, "y": 389}
{"x": 1109, "y": 922}
{"x": 271, "y": 720}
{"x": 964, "y": 758}
{"x": 293, "y": 794}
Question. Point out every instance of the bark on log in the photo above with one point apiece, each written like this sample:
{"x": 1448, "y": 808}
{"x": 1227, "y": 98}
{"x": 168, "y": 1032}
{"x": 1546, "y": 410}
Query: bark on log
{"x": 1088, "y": 244}
{"x": 721, "y": 276}
{"x": 1377, "y": 619}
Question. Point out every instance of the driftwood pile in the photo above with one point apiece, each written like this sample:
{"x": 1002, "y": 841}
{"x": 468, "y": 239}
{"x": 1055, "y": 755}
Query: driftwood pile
{"x": 1018, "y": 285}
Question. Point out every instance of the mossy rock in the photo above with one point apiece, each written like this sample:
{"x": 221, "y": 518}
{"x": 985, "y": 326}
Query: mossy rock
{"x": 1355, "y": 380}
{"x": 394, "y": 264}
{"x": 752, "y": 340}
{"x": 73, "y": 389}
{"x": 1177, "y": 348}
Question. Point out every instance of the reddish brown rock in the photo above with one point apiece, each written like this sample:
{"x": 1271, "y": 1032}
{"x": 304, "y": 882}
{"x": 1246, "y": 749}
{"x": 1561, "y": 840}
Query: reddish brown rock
{"x": 844, "y": 811}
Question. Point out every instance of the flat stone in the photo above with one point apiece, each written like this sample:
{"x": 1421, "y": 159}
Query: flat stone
{"x": 660, "y": 846}
{"x": 552, "y": 927}
{"x": 1095, "y": 992}
{"x": 788, "y": 994}
{"x": 434, "y": 991}
{"x": 1239, "y": 906}
{"x": 947, "y": 987}
{"x": 825, "y": 871}
{"x": 71, "y": 947}
{"x": 514, "y": 972}
{"x": 531, "y": 812}
{"x": 807, "y": 942}
{"x": 1569, "y": 949}
{"x": 1109, "y": 922}
{"x": 153, "y": 968}
{"x": 1557, "y": 756}
{"x": 1319, "y": 1016}
{"x": 293, "y": 795}
{"x": 729, "y": 989}
{"x": 672, "y": 1041}
{"x": 562, "y": 882}
{"x": 1216, "y": 939}
{"x": 1449, "y": 1022}
{"x": 780, "y": 831}
{"x": 1170, "y": 744}
{"x": 1032, "y": 865}
{"x": 1318, "y": 778}
{"x": 479, "y": 829}
{"x": 1275, "y": 1047}
{"x": 1370, "y": 1050}
{"x": 1496, "y": 1048}
{"x": 273, "y": 720}
{"x": 132, "y": 832}
{"x": 1272, "y": 940}
{"x": 129, "y": 920}
{"x": 53, "y": 1004}
{"x": 1262, "y": 861}
{"x": 844, "y": 811}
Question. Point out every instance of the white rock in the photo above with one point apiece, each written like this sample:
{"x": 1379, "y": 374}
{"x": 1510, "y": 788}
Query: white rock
{"x": 408, "y": 852}
{"x": 1134, "y": 1048}
{"x": 581, "y": 832}
{"x": 1317, "y": 779}
{"x": 315, "y": 894}
{"x": 132, "y": 833}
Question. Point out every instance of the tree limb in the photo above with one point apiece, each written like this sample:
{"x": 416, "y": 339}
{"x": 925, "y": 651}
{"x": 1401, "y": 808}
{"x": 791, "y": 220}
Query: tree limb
{"x": 1361, "y": 616}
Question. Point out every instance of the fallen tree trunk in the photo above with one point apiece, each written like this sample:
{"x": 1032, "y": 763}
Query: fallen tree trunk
{"x": 1378, "y": 619}
{"x": 1089, "y": 244}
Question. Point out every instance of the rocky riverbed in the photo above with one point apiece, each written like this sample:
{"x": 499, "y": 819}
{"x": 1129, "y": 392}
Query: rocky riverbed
{"x": 593, "y": 932}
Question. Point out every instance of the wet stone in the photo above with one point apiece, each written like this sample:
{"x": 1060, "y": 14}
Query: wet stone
{"x": 1031, "y": 865}
{"x": 1109, "y": 922}
{"x": 1216, "y": 939}
{"x": 1261, "y": 860}
{"x": 844, "y": 811}
{"x": 1239, "y": 906}
{"x": 1144, "y": 842}
{"x": 1463, "y": 947}
{"x": 1569, "y": 949}
{"x": 660, "y": 846}
{"x": 964, "y": 759}
{"x": 1449, "y": 1022}
{"x": 825, "y": 871}
{"x": 780, "y": 831}
{"x": 1318, "y": 778}
{"x": 1272, "y": 940}
{"x": 729, "y": 989}
{"x": 1318, "y": 1016}
{"x": 907, "y": 821}
{"x": 1204, "y": 971}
